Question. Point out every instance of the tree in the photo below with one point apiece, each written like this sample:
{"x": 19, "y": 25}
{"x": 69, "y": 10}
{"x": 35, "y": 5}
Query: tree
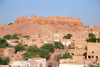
{"x": 98, "y": 40}
{"x": 91, "y": 35}
{"x": 32, "y": 51}
{"x": 58, "y": 45}
{"x": 10, "y": 23}
{"x": 49, "y": 47}
{"x": 16, "y": 41}
{"x": 15, "y": 36}
{"x": 92, "y": 39}
{"x": 4, "y": 60}
{"x": 26, "y": 36}
{"x": 19, "y": 48}
{"x": 44, "y": 53}
{"x": 8, "y": 36}
{"x": 3, "y": 43}
{"x": 68, "y": 36}
{"x": 28, "y": 55}
{"x": 21, "y": 35}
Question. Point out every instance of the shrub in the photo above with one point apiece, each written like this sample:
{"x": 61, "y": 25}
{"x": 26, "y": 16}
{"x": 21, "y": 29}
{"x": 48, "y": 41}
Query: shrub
{"x": 92, "y": 65}
{"x": 66, "y": 56}
{"x": 62, "y": 57}
{"x": 85, "y": 48}
{"x": 25, "y": 45}
{"x": 71, "y": 48}
{"x": 68, "y": 36}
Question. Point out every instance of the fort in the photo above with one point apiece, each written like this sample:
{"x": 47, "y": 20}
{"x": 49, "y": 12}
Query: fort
{"x": 52, "y": 19}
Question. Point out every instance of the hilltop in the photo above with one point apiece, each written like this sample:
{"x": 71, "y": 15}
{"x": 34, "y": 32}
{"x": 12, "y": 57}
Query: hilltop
{"x": 45, "y": 26}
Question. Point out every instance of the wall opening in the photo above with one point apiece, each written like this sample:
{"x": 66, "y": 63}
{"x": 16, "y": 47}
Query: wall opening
{"x": 89, "y": 57}
{"x": 96, "y": 57}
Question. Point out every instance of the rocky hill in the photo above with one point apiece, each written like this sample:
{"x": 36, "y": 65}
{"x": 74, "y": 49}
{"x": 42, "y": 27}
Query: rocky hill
{"x": 41, "y": 25}
{"x": 53, "y": 20}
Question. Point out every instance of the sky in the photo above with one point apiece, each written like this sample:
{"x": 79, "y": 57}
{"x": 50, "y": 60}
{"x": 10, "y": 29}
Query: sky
{"x": 87, "y": 10}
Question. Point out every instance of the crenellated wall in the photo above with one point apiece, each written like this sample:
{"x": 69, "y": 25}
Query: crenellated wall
{"x": 52, "y": 19}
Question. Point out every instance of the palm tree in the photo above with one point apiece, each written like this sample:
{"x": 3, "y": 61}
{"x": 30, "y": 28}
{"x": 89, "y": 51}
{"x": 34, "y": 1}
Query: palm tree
{"x": 21, "y": 37}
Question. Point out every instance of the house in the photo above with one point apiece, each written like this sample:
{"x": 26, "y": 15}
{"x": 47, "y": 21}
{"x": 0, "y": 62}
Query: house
{"x": 32, "y": 62}
{"x": 7, "y": 51}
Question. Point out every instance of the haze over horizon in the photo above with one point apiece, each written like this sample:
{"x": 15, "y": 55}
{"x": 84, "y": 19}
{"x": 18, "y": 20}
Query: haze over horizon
{"x": 87, "y": 10}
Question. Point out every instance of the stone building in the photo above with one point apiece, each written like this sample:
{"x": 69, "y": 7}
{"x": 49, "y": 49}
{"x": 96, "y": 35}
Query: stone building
{"x": 7, "y": 51}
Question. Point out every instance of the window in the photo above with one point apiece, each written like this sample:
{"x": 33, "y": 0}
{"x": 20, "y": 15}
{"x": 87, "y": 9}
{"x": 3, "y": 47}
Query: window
{"x": 10, "y": 52}
{"x": 97, "y": 57}
{"x": 89, "y": 57}
{"x": 92, "y": 51}
{"x": 92, "y": 57}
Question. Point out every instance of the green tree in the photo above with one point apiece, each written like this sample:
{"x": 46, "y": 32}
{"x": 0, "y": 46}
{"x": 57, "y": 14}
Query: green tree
{"x": 32, "y": 51}
{"x": 8, "y": 36}
{"x": 98, "y": 40}
{"x": 4, "y": 60}
{"x": 19, "y": 48}
{"x": 91, "y": 35}
{"x": 21, "y": 36}
{"x": 28, "y": 55}
{"x": 16, "y": 41}
{"x": 44, "y": 53}
{"x": 49, "y": 47}
{"x": 1, "y": 60}
{"x": 26, "y": 36}
{"x": 15, "y": 36}
{"x": 3, "y": 43}
{"x": 58, "y": 45}
{"x": 10, "y": 23}
{"x": 92, "y": 39}
{"x": 68, "y": 36}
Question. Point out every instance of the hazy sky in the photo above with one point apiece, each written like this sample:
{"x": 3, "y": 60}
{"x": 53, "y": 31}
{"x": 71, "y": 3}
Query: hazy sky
{"x": 87, "y": 10}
